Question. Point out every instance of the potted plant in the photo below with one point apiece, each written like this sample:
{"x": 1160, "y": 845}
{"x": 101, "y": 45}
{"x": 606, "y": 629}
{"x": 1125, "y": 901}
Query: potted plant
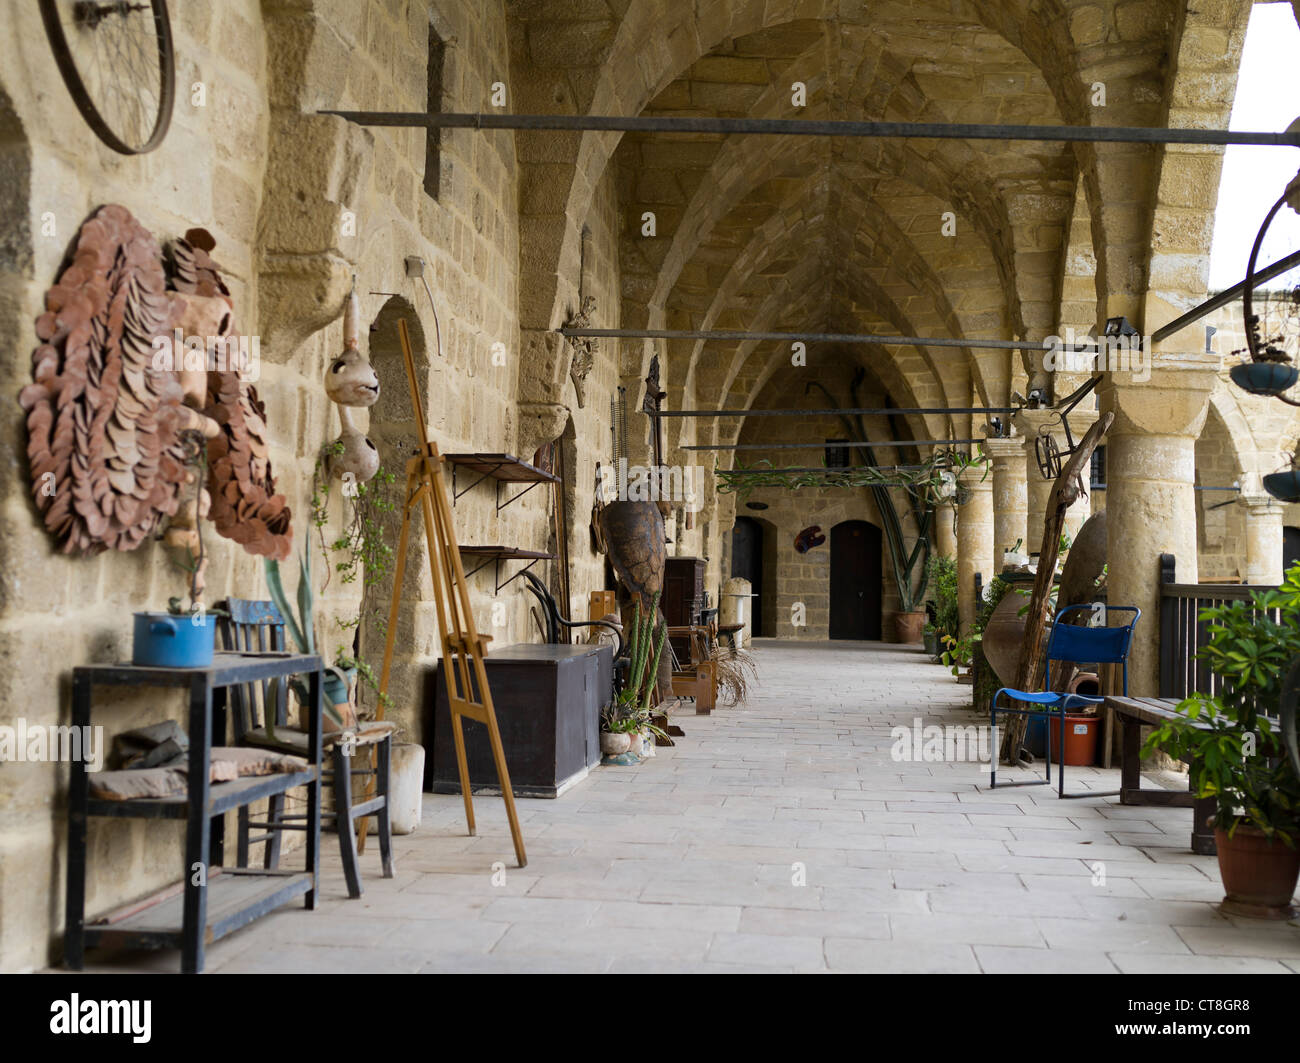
{"x": 941, "y": 572}
{"x": 930, "y": 637}
{"x": 625, "y": 723}
{"x": 1284, "y": 485}
{"x": 1236, "y": 754}
{"x": 956, "y": 656}
{"x": 182, "y": 637}
{"x": 339, "y": 690}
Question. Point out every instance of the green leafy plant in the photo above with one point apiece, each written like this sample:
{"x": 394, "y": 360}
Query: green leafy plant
{"x": 1240, "y": 759}
{"x": 360, "y": 552}
{"x": 301, "y": 628}
{"x": 958, "y": 653}
{"x": 941, "y": 573}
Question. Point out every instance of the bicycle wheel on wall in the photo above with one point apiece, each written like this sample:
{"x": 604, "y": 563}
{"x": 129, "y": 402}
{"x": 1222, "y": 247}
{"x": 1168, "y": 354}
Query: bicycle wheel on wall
{"x": 117, "y": 60}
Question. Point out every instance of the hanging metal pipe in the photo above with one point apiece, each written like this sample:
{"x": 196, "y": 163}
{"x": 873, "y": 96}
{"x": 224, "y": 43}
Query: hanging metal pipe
{"x": 833, "y": 445}
{"x": 832, "y": 470}
{"x": 817, "y": 128}
{"x": 730, "y": 335}
{"x": 834, "y": 413}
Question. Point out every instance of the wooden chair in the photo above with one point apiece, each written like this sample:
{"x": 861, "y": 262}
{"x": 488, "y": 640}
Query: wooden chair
{"x": 254, "y": 627}
{"x": 697, "y": 678}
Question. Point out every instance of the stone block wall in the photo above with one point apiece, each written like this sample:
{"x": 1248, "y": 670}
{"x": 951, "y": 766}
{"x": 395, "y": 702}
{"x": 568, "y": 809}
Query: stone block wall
{"x": 299, "y": 203}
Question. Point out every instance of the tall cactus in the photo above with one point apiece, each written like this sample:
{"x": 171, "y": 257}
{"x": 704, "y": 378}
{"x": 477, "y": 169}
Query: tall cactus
{"x": 641, "y": 680}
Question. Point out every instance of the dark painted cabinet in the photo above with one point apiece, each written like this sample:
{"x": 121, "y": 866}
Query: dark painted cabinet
{"x": 548, "y": 701}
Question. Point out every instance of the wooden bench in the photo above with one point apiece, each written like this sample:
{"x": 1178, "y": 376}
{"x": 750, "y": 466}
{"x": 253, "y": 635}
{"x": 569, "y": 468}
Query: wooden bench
{"x": 1134, "y": 714}
{"x": 698, "y": 678}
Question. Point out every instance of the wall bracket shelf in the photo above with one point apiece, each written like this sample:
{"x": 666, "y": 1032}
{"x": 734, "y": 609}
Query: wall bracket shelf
{"x": 503, "y": 468}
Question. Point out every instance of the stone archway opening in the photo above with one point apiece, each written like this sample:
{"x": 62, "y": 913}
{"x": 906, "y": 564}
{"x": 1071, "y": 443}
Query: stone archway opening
{"x": 753, "y": 557}
{"x": 856, "y": 581}
{"x": 392, "y": 430}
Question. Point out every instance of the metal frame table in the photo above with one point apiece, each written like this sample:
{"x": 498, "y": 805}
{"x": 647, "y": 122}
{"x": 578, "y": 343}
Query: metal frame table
{"x": 210, "y": 905}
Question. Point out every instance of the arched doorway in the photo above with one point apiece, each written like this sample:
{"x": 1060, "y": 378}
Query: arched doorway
{"x": 747, "y": 563}
{"x": 856, "y": 576}
{"x": 392, "y": 430}
{"x": 1290, "y": 547}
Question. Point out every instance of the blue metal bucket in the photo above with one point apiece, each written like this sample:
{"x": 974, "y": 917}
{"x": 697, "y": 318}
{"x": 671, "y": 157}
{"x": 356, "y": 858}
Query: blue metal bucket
{"x": 165, "y": 640}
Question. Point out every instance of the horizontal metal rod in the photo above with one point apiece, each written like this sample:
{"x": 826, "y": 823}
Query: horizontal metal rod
{"x": 729, "y": 335}
{"x": 833, "y": 444}
{"x": 831, "y": 413}
{"x": 802, "y": 127}
{"x": 823, "y": 468}
{"x": 1225, "y": 297}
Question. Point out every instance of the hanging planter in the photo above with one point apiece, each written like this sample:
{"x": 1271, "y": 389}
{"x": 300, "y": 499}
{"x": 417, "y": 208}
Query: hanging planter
{"x": 1284, "y": 485}
{"x": 1264, "y": 378}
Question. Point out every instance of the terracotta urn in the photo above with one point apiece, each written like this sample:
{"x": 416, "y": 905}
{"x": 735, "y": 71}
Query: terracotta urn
{"x": 908, "y": 627}
{"x": 1004, "y": 637}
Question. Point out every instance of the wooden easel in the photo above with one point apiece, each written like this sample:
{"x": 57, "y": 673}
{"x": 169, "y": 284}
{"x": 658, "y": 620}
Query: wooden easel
{"x": 463, "y": 648}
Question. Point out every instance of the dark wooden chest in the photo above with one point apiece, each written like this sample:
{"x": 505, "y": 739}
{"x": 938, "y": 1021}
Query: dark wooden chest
{"x": 548, "y": 701}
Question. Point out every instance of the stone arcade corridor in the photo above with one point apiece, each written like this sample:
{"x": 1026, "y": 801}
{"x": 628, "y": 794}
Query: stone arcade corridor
{"x": 685, "y": 864}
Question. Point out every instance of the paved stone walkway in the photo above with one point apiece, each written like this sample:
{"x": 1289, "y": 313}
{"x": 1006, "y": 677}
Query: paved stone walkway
{"x": 782, "y": 836}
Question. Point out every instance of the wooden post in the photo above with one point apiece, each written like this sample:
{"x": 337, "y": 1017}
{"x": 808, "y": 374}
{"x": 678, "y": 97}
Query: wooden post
{"x": 1067, "y": 488}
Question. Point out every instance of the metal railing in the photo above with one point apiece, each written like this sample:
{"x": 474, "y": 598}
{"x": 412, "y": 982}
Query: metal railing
{"x": 1183, "y": 633}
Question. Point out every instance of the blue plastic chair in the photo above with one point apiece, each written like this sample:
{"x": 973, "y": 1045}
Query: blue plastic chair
{"x": 1078, "y": 645}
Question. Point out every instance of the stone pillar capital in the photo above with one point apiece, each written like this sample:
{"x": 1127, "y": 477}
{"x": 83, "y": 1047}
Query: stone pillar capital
{"x": 1033, "y": 423}
{"x": 976, "y": 477}
{"x": 1170, "y": 398}
{"x": 1001, "y": 449}
{"x": 1263, "y": 507}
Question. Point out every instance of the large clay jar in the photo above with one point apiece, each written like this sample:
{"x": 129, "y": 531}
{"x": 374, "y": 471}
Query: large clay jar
{"x": 634, "y": 540}
{"x": 1004, "y": 637}
{"x": 908, "y": 627}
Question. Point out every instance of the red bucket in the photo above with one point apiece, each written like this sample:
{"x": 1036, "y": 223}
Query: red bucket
{"x": 1081, "y": 733}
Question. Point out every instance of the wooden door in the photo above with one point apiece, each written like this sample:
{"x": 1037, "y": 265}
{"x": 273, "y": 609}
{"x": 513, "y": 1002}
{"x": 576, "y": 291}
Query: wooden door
{"x": 747, "y": 563}
{"x": 855, "y": 580}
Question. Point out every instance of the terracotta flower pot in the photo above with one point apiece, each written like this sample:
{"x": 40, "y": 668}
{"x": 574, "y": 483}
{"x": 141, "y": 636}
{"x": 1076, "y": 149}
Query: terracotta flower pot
{"x": 1259, "y": 876}
{"x": 908, "y": 627}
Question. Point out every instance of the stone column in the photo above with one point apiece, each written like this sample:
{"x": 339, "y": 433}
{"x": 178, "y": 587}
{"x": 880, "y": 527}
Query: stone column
{"x": 974, "y": 542}
{"x": 1150, "y": 497}
{"x": 1010, "y": 495}
{"x": 943, "y": 536}
{"x": 1263, "y": 540}
{"x": 1038, "y": 490}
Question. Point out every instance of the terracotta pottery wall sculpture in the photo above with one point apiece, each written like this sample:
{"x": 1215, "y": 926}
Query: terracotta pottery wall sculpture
{"x": 351, "y": 382}
{"x": 103, "y": 426}
{"x": 116, "y": 431}
{"x": 245, "y": 505}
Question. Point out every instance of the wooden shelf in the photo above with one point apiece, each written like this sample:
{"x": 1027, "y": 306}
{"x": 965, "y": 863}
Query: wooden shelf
{"x": 503, "y": 468}
{"x": 223, "y": 796}
{"x": 496, "y": 554}
{"x": 236, "y": 897}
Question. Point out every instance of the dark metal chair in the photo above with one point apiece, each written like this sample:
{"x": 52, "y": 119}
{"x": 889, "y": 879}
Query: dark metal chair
{"x": 254, "y": 627}
{"x": 1075, "y": 644}
{"x": 555, "y": 624}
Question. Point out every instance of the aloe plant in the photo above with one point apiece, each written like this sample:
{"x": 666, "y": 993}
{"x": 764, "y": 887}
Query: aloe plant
{"x": 631, "y": 708}
{"x": 301, "y": 628}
